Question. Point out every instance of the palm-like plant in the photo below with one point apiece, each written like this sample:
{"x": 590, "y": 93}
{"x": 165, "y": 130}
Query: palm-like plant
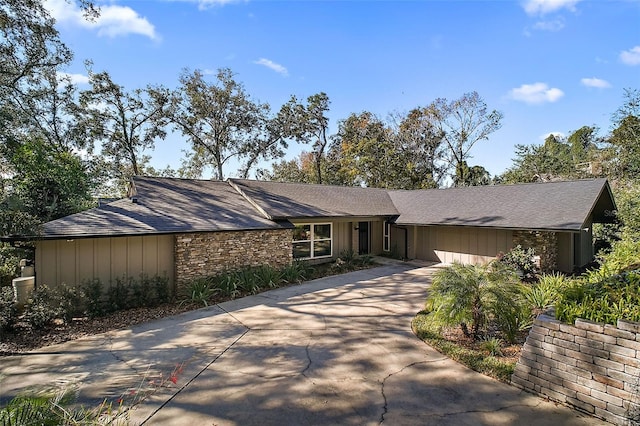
{"x": 473, "y": 295}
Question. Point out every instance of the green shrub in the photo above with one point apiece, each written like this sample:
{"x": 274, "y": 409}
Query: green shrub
{"x": 201, "y": 290}
{"x": 118, "y": 296}
{"x": 268, "y": 277}
{"x": 366, "y": 260}
{"x": 474, "y": 296}
{"x": 161, "y": 286}
{"x": 293, "y": 273}
{"x": 71, "y": 300}
{"x": 227, "y": 285}
{"x": 492, "y": 345}
{"x": 93, "y": 292}
{"x": 142, "y": 291}
{"x": 247, "y": 281}
{"x": 615, "y": 297}
{"x": 545, "y": 292}
{"x": 521, "y": 260}
{"x": 625, "y": 254}
{"x": 8, "y": 311}
{"x": 10, "y": 263}
{"x": 43, "y": 307}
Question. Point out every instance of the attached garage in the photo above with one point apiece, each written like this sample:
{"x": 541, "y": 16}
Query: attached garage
{"x": 476, "y": 224}
{"x": 457, "y": 244}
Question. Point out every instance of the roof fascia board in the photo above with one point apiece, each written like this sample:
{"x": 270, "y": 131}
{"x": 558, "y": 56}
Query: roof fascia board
{"x": 595, "y": 202}
{"x": 489, "y": 227}
{"x": 251, "y": 201}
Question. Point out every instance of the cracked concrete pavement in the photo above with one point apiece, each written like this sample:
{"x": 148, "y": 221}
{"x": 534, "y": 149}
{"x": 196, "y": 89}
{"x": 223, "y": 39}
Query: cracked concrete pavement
{"x": 337, "y": 350}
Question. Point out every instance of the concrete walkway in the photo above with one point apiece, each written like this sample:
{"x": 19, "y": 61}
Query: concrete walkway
{"x": 337, "y": 350}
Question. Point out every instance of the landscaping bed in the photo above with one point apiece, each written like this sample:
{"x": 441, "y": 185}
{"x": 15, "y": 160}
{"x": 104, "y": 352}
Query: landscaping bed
{"x": 24, "y": 336}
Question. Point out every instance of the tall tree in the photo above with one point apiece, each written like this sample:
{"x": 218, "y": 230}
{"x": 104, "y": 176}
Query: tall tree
{"x": 221, "y": 121}
{"x": 420, "y": 144}
{"x": 126, "y": 124}
{"x": 309, "y": 124}
{"x": 625, "y": 137}
{"x": 365, "y": 151}
{"x": 462, "y": 122}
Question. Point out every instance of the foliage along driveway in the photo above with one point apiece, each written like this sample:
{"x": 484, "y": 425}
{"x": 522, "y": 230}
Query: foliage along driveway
{"x": 337, "y": 350}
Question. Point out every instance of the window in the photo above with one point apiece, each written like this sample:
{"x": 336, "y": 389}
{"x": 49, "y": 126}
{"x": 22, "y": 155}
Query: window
{"x": 386, "y": 236}
{"x": 312, "y": 240}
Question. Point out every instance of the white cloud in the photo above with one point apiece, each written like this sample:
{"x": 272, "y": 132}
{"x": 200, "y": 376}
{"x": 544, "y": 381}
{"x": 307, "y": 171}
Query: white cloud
{"x": 542, "y": 7}
{"x": 536, "y": 93}
{"x": 206, "y": 4}
{"x": 272, "y": 65}
{"x": 553, "y": 26}
{"x": 73, "y": 78}
{"x": 598, "y": 83}
{"x": 631, "y": 56}
{"x": 113, "y": 21}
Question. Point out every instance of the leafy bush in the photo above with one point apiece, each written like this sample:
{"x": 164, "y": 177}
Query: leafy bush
{"x": 267, "y": 277}
{"x": 55, "y": 408}
{"x": 247, "y": 281}
{"x": 118, "y": 296}
{"x": 625, "y": 254}
{"x": 615, "y": 297}
{"x": 142, "y": 292}
{"x": 8, "y": 311}
{"x": 521, "y": 260}
{"x": 227, "y": 285}
{"x": 43, "y": 307}
{"x": 295, "y": 273}
{"x": 93, "y": 292}
{"x": 161, "y": 286}
{"x": 492, "y": 345}
{"x": 366, "y": 260}
{"x": 545, "y": 292}
{"x": 10, "y": 263}
{"x": 72, "y": 301}
{"x": 473, "y": 295}
{"x": 201, "y": 290}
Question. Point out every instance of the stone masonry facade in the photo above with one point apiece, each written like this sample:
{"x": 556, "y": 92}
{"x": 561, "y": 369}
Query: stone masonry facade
{"x": 210, "y": 253}
{"x": 545, "y": 245}
{"x": 591, "y": 366}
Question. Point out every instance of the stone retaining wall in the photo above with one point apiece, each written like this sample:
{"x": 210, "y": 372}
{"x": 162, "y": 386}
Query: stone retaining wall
{"x": 204, "y": 254}
{"x": 590, "y": 366}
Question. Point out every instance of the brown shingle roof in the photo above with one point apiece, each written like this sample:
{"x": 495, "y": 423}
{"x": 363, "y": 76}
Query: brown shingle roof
{"x": 561, "y": 206}
{"x": 281, "y": 200}
{"x": 167, "y": 205}
{"x": 161, "y": 206}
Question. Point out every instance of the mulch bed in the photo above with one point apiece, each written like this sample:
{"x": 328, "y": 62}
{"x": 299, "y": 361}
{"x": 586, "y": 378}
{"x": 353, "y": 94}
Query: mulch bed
{"x": 510, "y": 352}
{"x": 24, "y": 338}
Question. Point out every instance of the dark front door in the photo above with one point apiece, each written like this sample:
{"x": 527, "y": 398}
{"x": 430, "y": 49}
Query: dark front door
{"x": 363, "y": 237}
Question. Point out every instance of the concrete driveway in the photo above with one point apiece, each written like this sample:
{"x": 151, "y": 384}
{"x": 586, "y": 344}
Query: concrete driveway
{"x": 337, "y": 350}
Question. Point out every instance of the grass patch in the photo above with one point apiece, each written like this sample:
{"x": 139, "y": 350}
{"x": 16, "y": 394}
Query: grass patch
{"x": 478, "y": 360}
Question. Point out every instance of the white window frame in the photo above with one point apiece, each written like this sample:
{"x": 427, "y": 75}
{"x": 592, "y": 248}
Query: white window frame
{"x": 312, "y": 240}
{"x": 386, "y": 236}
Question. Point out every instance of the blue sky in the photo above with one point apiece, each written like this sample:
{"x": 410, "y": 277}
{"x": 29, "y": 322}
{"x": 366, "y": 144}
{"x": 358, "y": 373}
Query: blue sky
{"x": 547, "y": 65}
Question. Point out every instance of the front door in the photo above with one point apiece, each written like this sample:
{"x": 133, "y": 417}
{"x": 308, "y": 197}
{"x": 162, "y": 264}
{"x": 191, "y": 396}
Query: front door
{"x": 363, "y": 237}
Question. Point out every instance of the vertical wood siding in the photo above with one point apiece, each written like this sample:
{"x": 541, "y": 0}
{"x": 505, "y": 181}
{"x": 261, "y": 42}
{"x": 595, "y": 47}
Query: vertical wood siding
{"x": 72, "y": 262}
{"x": 465, "y": 245}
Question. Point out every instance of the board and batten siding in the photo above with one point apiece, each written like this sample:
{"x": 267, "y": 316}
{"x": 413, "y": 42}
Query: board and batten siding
{"x": 450, "y": 244}
{"x": 74, "y": 261}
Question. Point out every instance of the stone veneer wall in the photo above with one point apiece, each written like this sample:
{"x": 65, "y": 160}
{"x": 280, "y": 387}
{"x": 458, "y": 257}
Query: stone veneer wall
{"x": 204, "y": 254}
{"x": 590, "y": 366}
{"x": 545, "y": 245}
